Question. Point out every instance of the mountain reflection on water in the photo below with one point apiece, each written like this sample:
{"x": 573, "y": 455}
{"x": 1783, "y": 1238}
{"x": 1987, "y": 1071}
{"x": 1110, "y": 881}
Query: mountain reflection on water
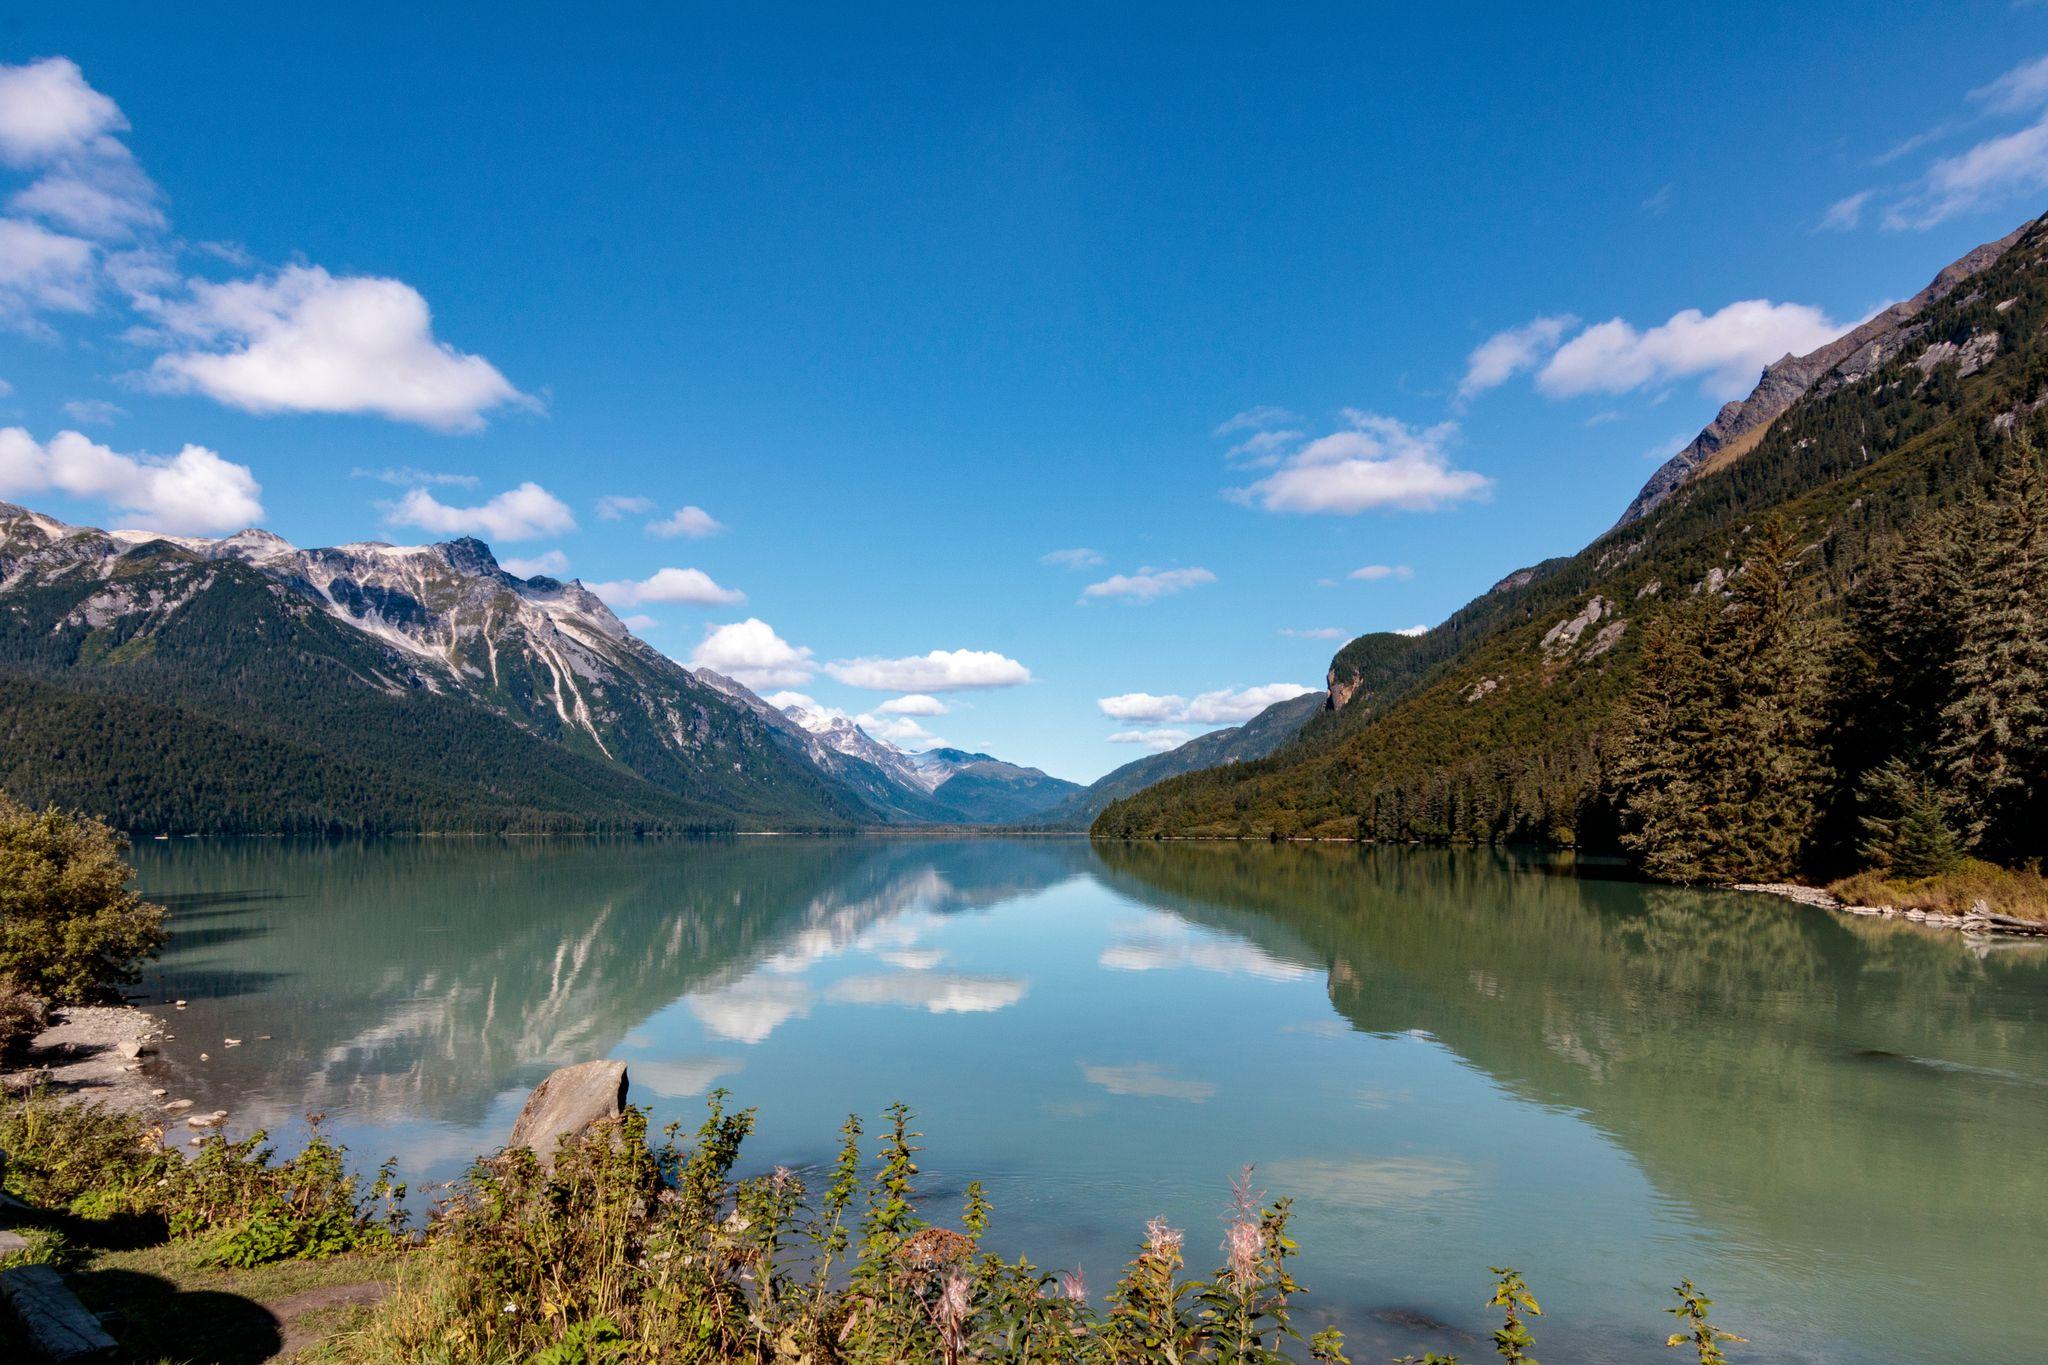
{"x": 1452, "y": 1058}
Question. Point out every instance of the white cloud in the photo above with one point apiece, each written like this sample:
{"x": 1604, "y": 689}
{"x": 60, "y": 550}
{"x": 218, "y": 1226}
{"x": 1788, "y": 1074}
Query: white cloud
{"x": 1412, "y": 631}
{"x": 1317, "y": 633}
{"x": 693, "y": 522}
{"x": 303, "y": 340}
{"x": 55, "y": 124}
{"x": 193, "y": 491}
{"x": 752, "y": 652}
{"x": 2023, "y": 88}
{"x": 1725, "y": 350}
{"x": 99, "y": 193}
{"x": 1256, "y": 419}
{"x": 1148, "y": 1080}
{"x": 1072, "y": 559}
{"x": 47, "y": 111}
{"x": 1378, "y": 462}
{"x": 638, "y": 622}
{"x": 1263, "y": 449}
{"x": 1504, "y": 355}
{"x": 93, "y": 412}
{"x": 1991, "y": 173}
{"x": 1147, "y": 584}
{"x": 680, "y": 1078}
{"x": 942, "y": 670}
{"x": 750, "y": 1009}
{"x": 523, "y": 513}
{"x": 901, "y": 731}
{"x": 1374, "y": 573}
{"x": 43, "y": 272}
{"x": 916, "y": 704}
{"x": 690, "y": 587}
{"x": 406, "y": 476}
{"x": 552, "y": 564}
{"x": 1168, "y": 947}
{"x": 1845, "y": 214}
{"x": 1158, "y": 741}
{"x": 1225, "y": 706}
{"x": 1142, "y": 706}
{"x": 1229, "y": 706}
{"x": 937, "y": 992}
{"x": 619, "y": 506}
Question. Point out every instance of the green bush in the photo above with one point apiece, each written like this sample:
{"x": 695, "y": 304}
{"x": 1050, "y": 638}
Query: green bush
{"x": 97, "y": 1165}
{"x": 71, "y": 930}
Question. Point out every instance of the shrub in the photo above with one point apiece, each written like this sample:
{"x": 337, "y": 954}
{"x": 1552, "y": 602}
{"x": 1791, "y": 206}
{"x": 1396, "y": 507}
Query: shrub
{"x": 71, "y": 930}
{"x": 98, "y": 1164}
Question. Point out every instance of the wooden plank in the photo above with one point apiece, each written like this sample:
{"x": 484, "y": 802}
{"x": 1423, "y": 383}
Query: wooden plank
{"x": 54, "y": 1317}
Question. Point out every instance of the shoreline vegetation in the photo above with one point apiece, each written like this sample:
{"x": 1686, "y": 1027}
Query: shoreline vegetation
{"x": 606, "y": 1245}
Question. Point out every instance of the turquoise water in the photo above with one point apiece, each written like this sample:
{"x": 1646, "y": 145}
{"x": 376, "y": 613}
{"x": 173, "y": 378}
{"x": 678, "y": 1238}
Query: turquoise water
{"x": 1452, "y": 1059}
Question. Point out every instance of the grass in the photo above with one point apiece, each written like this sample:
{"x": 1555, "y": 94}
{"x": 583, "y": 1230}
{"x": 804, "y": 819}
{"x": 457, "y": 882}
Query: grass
{"x": 173, "y": 1305}
{"x": 172, "y": 1302}
{"x": 2021, "y": 892}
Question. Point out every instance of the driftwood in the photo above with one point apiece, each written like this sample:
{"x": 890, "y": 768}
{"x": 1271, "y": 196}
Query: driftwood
{"x": 59, "y": 1324}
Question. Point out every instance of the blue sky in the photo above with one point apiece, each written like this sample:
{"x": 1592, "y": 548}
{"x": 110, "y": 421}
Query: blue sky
{"x": 903, "y": 304}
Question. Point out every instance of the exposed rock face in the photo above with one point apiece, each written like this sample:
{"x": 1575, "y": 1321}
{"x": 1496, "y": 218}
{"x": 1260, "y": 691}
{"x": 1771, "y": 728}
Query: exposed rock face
{"x": 1341, "y": 690}
{"x": 1846, "y": 359}
{"x": 567, "y": 1102}
{"x": 1561, "y": 638}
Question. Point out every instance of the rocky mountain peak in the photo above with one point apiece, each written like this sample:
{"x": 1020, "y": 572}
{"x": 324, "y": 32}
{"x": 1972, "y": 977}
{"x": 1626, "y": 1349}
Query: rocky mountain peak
{"x": 1740, "y": 425}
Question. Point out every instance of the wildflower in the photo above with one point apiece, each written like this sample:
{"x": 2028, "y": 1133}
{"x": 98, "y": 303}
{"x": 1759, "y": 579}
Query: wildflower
{"x": 1162, "y": 1240}
{"x": 1242, "y": 1243}
{"x": 1073, "y": 1286}
{"x": 510, "y": 1307}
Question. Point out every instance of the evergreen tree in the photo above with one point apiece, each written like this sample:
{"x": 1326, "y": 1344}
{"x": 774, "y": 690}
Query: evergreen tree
{"x": 1722, "y": 769}
{"x": 1993, "y": 746}
{"x": 1905, "y": 829}
{"x": 1655, "y": 774}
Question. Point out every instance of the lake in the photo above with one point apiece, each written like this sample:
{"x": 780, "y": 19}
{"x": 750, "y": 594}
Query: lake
{"x": 1451, "y": 1058}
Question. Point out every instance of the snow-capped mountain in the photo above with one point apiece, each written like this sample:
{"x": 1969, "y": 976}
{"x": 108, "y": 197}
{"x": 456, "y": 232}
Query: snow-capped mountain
{"x": 341, "y": 650}
{"x": 935, "y": 786}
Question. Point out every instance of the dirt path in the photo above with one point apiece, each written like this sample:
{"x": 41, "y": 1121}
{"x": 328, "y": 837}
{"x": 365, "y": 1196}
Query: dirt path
{"x": 311, "y": 1316}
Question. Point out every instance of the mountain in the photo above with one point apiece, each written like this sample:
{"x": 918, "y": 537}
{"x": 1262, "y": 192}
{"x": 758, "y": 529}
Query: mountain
{"x": 1271, "y": 729}
{"x": 190, "y": 685}
{"x": 894, "y": 786}
{"x": 1499, "y": 722}
{"x": 1853, "y": 356}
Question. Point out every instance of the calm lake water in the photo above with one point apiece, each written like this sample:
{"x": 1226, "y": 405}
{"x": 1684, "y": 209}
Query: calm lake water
{"x": 1453, "y": 1059}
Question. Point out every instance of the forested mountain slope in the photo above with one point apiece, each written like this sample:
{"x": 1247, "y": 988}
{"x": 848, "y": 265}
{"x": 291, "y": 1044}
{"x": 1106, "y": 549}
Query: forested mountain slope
{"x": 1505, "y": 721}
{"x": 1273, "y": 728}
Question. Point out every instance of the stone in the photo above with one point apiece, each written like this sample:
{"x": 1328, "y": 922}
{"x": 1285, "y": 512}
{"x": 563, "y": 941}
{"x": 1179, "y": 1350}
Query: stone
{"x": 568, "y": 1101}
{"x": 131, "y": 1048}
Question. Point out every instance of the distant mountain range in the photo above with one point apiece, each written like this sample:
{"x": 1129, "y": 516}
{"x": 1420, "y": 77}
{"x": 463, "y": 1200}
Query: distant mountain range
{"x": 937, "y": 786}
{"x": 185, "y": 685}
{"x": 1498, "y": 722}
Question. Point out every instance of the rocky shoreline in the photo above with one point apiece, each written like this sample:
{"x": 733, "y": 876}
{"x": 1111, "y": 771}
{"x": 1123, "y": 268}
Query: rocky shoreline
{"x": 1980, "y": 920}
{"x": 110, "y": 1055}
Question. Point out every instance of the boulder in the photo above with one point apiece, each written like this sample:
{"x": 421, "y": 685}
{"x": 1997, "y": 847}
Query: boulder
{"x": 568, "y": 1101}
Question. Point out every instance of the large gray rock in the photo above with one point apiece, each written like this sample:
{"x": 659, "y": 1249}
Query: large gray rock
{"x": 569, "y": 1101}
